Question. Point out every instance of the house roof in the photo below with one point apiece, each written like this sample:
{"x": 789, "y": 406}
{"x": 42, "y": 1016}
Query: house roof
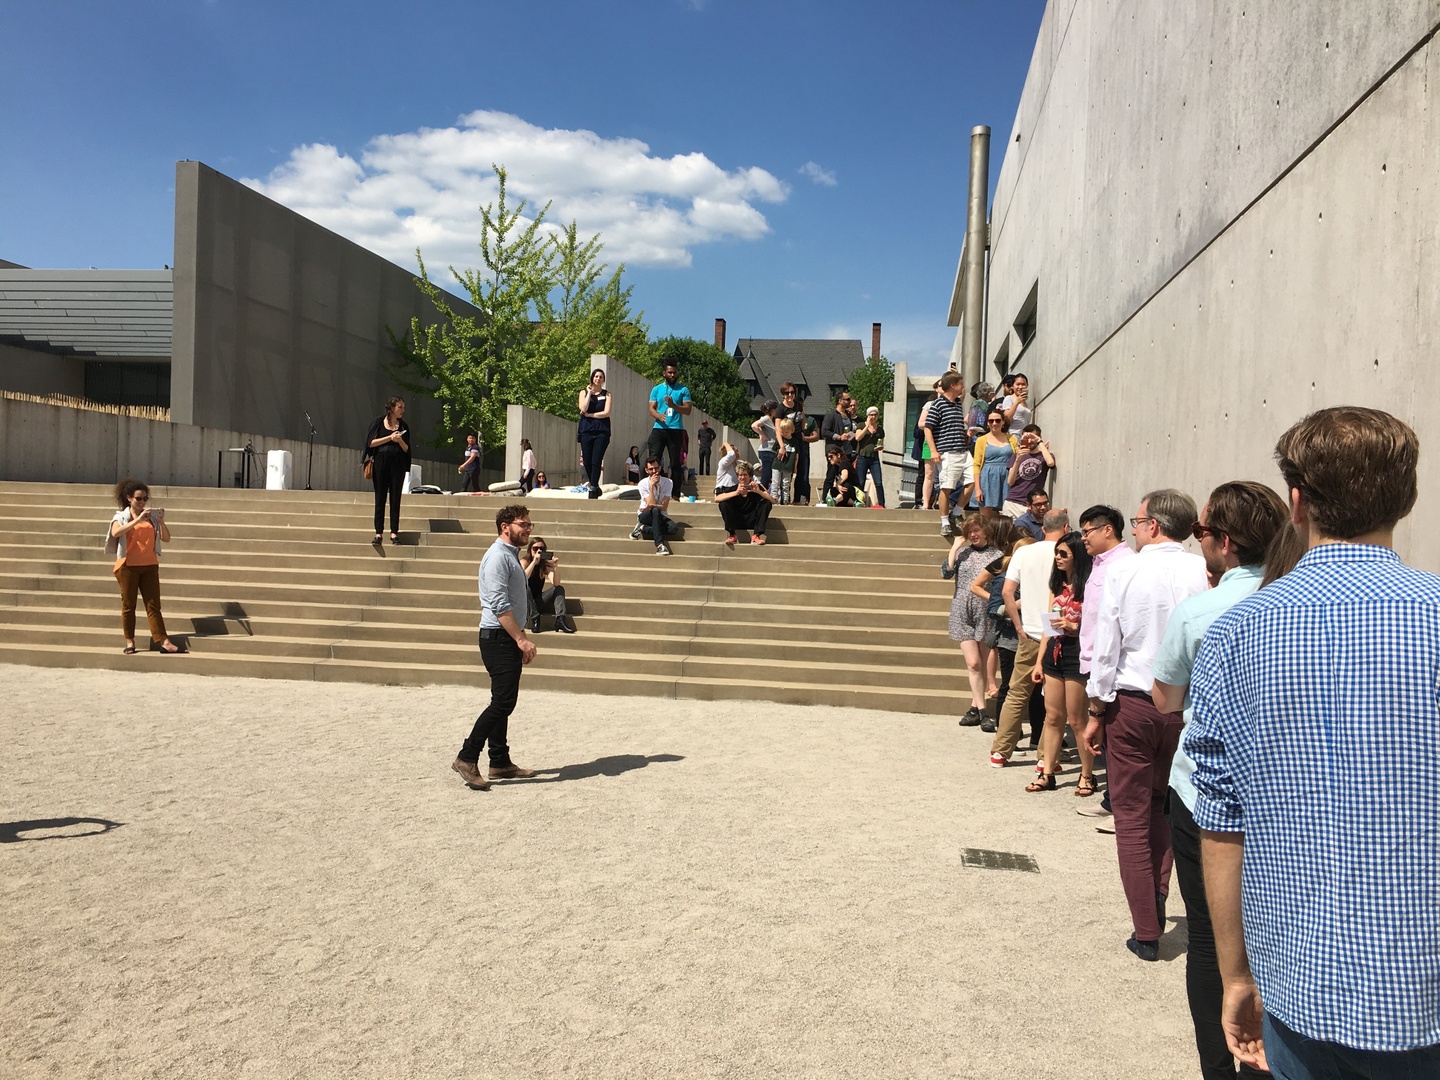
{"x": 816, "y": 364}
{"x": 124, "y": 313}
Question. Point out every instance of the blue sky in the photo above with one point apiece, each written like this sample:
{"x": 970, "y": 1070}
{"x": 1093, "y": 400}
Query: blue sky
{"x": 795, "y": 167}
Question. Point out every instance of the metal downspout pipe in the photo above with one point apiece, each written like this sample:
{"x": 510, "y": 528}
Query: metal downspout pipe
{"x": 977, "y": 241}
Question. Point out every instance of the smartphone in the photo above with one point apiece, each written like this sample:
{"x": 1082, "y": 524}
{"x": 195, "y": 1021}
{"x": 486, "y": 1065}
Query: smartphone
{"x": 157, "y": 514}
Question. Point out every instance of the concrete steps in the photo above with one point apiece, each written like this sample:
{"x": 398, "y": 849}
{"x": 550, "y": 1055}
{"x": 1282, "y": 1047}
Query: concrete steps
{"x": 841, "y": 607}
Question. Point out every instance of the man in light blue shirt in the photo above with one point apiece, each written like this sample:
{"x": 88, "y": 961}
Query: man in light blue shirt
{"x": 1314, "y": 736}
{"x": 669, "y": 405}
{"x": 1235, "y": 528}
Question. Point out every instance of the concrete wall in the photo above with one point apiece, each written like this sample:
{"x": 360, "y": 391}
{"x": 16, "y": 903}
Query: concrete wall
{"x": 1226, "y": 211}
{"x": 558, "y": 454}
{"x": 32, "y": 371}
{"x": 275, "y": 316}
{"x": 56, "y": 444}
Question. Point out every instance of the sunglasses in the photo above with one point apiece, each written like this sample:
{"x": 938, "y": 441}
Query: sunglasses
{"x": 139, "y": 498}
{"x": 995, "y": 420}
{"x": 1200, "y": 532}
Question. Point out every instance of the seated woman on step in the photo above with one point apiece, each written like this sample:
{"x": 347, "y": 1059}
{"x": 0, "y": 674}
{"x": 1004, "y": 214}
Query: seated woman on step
{"x": 745, "y": 506}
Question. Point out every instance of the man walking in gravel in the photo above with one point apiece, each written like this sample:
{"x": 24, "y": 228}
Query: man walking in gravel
{"x": 504, "y": 649}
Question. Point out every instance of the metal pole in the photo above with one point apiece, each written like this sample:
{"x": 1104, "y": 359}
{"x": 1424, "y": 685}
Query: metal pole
{"x": 977, "y": 239}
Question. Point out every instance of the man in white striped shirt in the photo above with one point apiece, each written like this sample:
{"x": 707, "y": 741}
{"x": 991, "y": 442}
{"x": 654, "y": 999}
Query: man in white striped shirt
{"x": 1139, "y": 740}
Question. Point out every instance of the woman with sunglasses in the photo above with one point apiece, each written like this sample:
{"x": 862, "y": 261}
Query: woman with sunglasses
{"x": 136, "y": 533}
{"x": 1059, "y": 667}
{"x": 993, "y": 453}
{"x": 547, "y": 595}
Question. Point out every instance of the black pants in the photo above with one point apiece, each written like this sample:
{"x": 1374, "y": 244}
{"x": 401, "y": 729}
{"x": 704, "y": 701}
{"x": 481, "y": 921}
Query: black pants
{"x": 801, "y": 490}
{"x": 551, "y": 602}
{"x": 472, "y": 480}
{"x": 705, "y": 461}
{"x": 592, "y": 453}
{"x": 501, "y": 657}
{"x": 654, "y": 519}
{"x": 667, "y": 441}
{"x": 1202, "y": 967}
{"x": 389, "y": 478}
{"x": 750, "y": 512}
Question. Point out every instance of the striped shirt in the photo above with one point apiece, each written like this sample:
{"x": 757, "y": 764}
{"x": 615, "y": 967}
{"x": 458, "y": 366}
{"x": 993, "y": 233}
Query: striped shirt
{"x": 946, "y": 419}
{"x": 1316, "y": 733}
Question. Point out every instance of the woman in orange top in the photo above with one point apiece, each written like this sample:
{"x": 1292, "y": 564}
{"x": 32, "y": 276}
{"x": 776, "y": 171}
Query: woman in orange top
{"x": 135, "y": 537}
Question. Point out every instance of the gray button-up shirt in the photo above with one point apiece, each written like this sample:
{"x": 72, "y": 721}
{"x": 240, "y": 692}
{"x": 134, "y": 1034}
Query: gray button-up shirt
{"x": 502, "y": 585}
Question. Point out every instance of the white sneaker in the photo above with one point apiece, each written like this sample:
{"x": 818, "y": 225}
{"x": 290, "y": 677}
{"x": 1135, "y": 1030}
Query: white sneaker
{"x": 662, "y": 549}
{"x": 637, "y": 532}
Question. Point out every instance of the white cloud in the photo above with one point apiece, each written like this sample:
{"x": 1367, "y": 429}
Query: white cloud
{"x": 422, "y": 189}
{"x": 819, "y": 174}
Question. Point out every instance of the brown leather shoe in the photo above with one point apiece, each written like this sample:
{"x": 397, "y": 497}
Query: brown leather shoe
{"x": 510, "y": 772}
{"x": 470, "y": 772}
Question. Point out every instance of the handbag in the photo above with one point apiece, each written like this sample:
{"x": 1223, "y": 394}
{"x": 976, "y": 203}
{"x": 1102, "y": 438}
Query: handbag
{"x": 367, "y": 467}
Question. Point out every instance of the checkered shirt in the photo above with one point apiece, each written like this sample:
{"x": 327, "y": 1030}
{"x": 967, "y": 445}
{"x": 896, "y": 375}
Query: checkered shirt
{"x": 1316, "y": 733}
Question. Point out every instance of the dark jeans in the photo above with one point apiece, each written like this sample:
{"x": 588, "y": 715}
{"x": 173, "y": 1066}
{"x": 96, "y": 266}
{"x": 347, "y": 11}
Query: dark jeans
{"x": 472, "y": 480}
{"x": 501, "y": 657}
{"x": 1007, "y": 669}
{"x": 767, "y": 468}
{"x": 552, "y": 602}
{"x": 1292, "y": 1056}
{"x": 1140, "y": 743}
{"x": 866, "y": 467}
{"x": 592, "y": 452}
{"x": 750, "y": 512}
{"x": 704, "y": 461}
{"x": 802, "y": 473}
{"x": 1202, "y": 967}
{"x": 388, "y": 479}
{"x": 665, "y": 441}
{"x": 654, "y": 519}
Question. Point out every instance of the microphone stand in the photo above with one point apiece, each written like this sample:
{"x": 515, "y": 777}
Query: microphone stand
{"x": 310, "y": 464}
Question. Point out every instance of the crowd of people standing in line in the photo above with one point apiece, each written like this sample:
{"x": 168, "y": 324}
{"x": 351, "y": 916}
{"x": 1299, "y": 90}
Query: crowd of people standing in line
{"x": 1216, "y": 688}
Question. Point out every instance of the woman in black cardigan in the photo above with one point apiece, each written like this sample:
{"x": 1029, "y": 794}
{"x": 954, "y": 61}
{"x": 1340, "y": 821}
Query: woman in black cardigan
{"x": 388, "y": 446}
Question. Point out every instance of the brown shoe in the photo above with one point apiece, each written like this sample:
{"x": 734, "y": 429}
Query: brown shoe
{"x": 470, "y": 772}
{"x": 510, "y": 772}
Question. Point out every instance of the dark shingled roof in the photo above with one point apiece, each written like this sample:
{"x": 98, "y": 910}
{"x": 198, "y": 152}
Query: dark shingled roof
{"x": 813, "y": 365}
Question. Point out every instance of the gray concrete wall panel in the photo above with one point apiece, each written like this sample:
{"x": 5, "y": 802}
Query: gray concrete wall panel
{"x": 275, "y": 316}
{"x": 30, "y": 371}
{"x": 1325, "y": 292}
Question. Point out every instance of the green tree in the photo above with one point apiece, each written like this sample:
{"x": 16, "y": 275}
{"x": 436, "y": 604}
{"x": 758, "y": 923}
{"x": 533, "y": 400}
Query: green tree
{"x": 712, "y": 375}
{"x": 872, "y": 383}
{"x": 544, "y": 306}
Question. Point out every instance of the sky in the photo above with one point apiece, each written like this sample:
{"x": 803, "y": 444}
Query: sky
{"x": 796, "y": 167}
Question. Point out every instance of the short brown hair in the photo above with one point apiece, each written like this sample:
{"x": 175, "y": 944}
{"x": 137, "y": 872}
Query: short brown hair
{"x": 1250, "y": 514}
{"x": 508, "y": 515}
{"x": 1355, "y": 468}
{"x": 949, "y": 379}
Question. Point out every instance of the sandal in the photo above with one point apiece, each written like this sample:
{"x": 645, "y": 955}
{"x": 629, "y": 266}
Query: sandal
{"x": 377, "y": 539}
{"x": 129, "y": 650}
{"x": 1085, "y": 786}
{"x": 1043, "y": 782}
{"x": 394, "y": 538}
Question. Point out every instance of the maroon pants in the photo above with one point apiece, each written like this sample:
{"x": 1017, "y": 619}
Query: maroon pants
{"x": 1140, "y": 742}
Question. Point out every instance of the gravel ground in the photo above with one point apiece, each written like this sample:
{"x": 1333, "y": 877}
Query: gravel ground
{"x": 292, "y": 882}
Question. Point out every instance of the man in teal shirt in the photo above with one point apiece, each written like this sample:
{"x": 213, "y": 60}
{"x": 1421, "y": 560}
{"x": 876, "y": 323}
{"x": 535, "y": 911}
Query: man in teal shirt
{"x": 669, "y": 404}
{"x": 1235, "y": 529}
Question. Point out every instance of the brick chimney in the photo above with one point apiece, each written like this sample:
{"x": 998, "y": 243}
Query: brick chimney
{"x": 875, "y": 339}
{"x": 720, "y": 334}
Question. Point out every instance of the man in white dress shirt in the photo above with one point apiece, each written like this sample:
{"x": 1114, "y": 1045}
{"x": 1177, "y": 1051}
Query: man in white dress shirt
{"x": 1139, "y": 741}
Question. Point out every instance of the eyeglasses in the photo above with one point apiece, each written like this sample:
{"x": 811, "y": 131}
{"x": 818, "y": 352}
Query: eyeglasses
{"x": 1200, "y": 532}
{"x": 1092, "y": 528}
{"x": 1136, "y": 522}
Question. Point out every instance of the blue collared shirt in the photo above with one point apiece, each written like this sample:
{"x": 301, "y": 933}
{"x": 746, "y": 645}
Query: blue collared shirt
{"x": 1030, "y": 524}
{"x": 502, "y": 584}
{"x": 1316, "y": 733}
{"x": 1176, "y": 659}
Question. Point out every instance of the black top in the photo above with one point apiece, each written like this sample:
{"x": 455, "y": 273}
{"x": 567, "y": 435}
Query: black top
{"x": 592, "y": 424}
{"x": 379, "y": 430}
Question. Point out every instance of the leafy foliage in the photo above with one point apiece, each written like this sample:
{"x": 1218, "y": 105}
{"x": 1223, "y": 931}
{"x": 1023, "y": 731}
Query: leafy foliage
{"x": 545, "y": 305}
{"x": 712, "y": 375}
{"x": 872, "y": 383}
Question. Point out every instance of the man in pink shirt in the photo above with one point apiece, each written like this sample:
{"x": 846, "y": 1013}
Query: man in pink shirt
{"x": 1139, "y": 741}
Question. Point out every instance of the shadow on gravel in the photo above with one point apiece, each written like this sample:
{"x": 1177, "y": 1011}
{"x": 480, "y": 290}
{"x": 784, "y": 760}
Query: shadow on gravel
{"x": 605, "y": 766}
{"x": 10, "y": 831}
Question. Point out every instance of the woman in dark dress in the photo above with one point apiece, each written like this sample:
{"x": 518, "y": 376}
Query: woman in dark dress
{"x": 388, "y": 447}
{"x": 594, "y": 405}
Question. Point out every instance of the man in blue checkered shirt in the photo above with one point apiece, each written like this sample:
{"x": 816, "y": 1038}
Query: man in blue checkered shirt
{"x": 1316, "y": 742}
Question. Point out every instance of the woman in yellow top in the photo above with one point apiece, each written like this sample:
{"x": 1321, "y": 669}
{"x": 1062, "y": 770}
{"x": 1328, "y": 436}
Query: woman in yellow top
{"x": 993, "y": 453}
{"x": 136, "y": 532}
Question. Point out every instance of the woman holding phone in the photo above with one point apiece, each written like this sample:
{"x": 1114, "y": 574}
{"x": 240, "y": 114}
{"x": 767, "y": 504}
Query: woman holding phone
{"x": 136, "y": 532}
{"x": 388, "y": 447}
{"x": 547, "y": 595}
{"x": 1058, "y": 667}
